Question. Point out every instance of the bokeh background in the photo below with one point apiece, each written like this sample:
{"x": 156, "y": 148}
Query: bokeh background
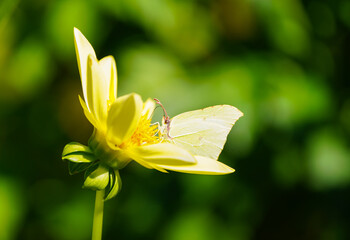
{"x": 284, "y": 63}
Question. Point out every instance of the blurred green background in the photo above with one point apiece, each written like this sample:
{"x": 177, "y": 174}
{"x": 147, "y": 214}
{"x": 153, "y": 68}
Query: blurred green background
{"x": 284, "y": 63}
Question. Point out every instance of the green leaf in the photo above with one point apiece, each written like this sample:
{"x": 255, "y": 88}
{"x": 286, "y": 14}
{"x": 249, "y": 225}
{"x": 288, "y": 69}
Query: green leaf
{"x": 74, "y": 167}
{"x": 75, "y": 147}
{"x": 80, "y": 157}
{"x": 114, "y": 185}
{"x": 98, "y": 179}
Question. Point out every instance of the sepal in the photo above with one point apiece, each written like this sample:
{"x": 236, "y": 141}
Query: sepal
{"x": 114, "y": 184}
{"x": 74, "y": 167}
{"x": 75, "y": 147}
{"x": 96, "y": 177}
{"x": 78, "y": 153}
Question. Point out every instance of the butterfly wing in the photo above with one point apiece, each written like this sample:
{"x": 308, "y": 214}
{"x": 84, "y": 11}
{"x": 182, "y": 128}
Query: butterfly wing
{"x": 203, "y": 132}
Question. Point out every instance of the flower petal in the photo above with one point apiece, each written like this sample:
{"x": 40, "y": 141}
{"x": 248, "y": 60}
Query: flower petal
{"x": 99, "y": 78}
{"x": 87, "y": 113}
{"x": 97, "y": 91}
{"x": 123, "y": 118}
{"x": 83, "y": 49}
{"x": 204, "y": 165}
{"x": 162, "y": 154}
{"x": 109, "y": 69}
{"x": 148, "y": 108}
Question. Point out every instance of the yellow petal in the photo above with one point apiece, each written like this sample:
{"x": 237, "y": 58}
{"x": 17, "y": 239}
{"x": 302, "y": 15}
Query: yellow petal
{"x": 123, "y": 118}
{"x": 162, "y": 154}
{"x": 204, "y": 165}
{"x": 99, "y": 78}
{"x": 83, "y": 49}
{"x": 151, "y": 166}
{"x": 87, "y": 113}
{"x": 97, "y": 90}
{"x": 109, "y": 69}
{"x": 148, "y": 108}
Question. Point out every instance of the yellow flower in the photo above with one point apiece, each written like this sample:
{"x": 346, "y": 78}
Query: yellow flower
{"x": 123, "y": 130}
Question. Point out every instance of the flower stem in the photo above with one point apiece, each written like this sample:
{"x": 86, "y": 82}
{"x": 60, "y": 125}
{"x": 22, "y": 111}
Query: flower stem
{"x": 98, "y": 216}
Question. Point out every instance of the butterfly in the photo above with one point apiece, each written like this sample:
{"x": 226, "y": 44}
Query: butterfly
{"x": 202, "y": 132}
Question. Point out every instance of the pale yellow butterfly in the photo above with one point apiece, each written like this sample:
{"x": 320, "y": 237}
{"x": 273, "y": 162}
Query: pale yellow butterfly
{"x": 202, "y": 132}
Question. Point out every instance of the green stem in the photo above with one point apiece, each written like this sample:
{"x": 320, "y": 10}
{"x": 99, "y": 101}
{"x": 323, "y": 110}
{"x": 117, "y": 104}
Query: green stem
{"x": 98, "y": 216}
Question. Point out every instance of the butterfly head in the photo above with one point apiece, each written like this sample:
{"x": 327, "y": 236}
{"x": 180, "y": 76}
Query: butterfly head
{"x": 165, "y": 121}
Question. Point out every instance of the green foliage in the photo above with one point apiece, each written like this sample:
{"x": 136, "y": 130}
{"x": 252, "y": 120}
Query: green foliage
{"x": 12, "y": 208}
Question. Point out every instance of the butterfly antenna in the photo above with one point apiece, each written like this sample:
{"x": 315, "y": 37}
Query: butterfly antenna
{"x": 166, "y": 114}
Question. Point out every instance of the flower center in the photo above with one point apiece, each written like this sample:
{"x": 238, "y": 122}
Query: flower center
{"x": 145, "y": 133}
